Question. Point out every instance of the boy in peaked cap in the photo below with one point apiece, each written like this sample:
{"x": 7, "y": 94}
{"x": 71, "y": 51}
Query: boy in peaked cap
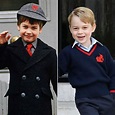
{"x": 31, "y": 69}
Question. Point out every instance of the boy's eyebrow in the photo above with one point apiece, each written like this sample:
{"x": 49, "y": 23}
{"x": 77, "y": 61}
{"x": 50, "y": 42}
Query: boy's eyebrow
{"x": 31, "y": 24}
{"x": 78, "y": 26}
{"x": 34, "y": 26}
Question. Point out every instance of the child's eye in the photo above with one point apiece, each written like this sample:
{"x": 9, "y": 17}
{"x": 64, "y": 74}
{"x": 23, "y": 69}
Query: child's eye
{"x": 85, "y": 27}
{"x": 76, "y": 28}
{"x": 25, "y": 27}
{"x": 34, "y": 28}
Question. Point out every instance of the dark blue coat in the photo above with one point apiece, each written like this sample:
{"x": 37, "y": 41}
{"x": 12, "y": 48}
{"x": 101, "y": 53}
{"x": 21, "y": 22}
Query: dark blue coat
{"x": 29, "y": 89}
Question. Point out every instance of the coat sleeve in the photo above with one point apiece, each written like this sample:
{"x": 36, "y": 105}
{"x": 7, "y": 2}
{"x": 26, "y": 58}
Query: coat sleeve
{"x": 3, "y": 56}
{"x": 54, "y": 70}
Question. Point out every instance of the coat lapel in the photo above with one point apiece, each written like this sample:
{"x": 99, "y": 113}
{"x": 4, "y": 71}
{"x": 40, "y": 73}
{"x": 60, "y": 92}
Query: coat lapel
{"x": 19, "y": 50}
{"x": 41, "y": 51}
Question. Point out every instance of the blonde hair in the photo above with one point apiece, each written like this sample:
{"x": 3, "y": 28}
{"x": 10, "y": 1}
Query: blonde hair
{"x": 86, "y": 15}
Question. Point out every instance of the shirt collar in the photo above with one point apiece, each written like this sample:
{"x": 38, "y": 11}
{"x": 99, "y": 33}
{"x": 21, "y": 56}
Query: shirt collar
{"x": 93, "y": 40}
{"x": 33, "y": 43}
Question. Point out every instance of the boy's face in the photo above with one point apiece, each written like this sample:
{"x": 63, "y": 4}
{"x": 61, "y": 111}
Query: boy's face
{"x": 81, "y": 31}
{"x": 29, "y": 32}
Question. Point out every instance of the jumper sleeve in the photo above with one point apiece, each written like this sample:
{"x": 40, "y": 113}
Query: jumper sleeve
{"x": 111, "y": 71}
{"x": 112, "y": 75}
{"x": 63, "y": 61}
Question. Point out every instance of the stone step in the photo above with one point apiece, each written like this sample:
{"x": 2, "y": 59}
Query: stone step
{"x": 67, "y": 108}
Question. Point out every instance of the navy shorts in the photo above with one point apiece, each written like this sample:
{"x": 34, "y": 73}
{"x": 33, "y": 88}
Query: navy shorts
{"x": 104, "y": 105}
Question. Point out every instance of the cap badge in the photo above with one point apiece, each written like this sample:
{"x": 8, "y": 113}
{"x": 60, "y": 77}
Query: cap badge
{"x": 35, "y": 7}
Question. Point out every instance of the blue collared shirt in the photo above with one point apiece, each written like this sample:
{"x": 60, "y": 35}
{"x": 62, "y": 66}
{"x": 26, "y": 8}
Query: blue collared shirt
{"x": 93, "y": 42}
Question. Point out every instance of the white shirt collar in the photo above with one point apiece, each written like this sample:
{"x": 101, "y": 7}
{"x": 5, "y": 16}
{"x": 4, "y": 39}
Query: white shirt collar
{"x": 94, "y": 41}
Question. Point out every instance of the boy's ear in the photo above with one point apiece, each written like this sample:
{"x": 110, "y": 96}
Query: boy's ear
{"x": 70, "y": 28}
{"x": 18, "y": 28}
{"x": 40, "y": 31}
{"x": 94, "y": 27}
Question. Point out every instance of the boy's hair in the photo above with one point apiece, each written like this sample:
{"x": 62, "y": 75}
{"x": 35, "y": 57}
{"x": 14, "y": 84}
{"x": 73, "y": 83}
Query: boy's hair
{"x": 22, "y": 18}
{"x": 86, "y": 15}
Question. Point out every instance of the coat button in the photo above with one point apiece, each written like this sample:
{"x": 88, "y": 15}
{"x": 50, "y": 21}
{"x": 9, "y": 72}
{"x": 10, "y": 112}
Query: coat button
{"x": 23, "y": 94}
{"x": 37, "y": 96}
{"x": 38, "y": 78}
{"x": 24, "y": 77}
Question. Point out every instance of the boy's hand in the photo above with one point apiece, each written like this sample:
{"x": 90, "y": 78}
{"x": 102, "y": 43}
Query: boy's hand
{"x": 4, "y": 37}
{"x": 112, "y": 92}
{"x": 113, "y": 95}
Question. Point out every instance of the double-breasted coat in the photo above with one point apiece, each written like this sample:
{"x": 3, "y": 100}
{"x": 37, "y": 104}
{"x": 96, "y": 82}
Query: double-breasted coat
{"x": 29, "y": 88}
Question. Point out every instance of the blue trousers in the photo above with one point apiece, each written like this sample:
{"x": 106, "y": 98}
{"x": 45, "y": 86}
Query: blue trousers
{"x": 104, "y": 105}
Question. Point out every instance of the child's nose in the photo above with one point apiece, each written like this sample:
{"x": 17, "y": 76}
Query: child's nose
{"x": 28, "y": 30}
{"x": 80, "y": 31}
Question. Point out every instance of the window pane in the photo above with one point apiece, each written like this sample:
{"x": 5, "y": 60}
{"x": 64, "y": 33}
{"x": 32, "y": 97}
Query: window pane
{"x": 6, "y": 5}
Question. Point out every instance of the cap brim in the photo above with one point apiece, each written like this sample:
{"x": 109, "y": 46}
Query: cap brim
{"x": 33, "y": 15}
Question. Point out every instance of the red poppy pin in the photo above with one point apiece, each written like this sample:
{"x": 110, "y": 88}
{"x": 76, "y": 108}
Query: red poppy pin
{"x": 35, "y": 7}
{"x": 100, "y": 58}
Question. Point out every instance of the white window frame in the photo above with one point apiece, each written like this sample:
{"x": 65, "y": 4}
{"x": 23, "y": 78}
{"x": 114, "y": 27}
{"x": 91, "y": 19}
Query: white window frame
{"x": 46, "y": 6}
{"x": 8, "y": 16}
{"x": 11, "y": 16}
